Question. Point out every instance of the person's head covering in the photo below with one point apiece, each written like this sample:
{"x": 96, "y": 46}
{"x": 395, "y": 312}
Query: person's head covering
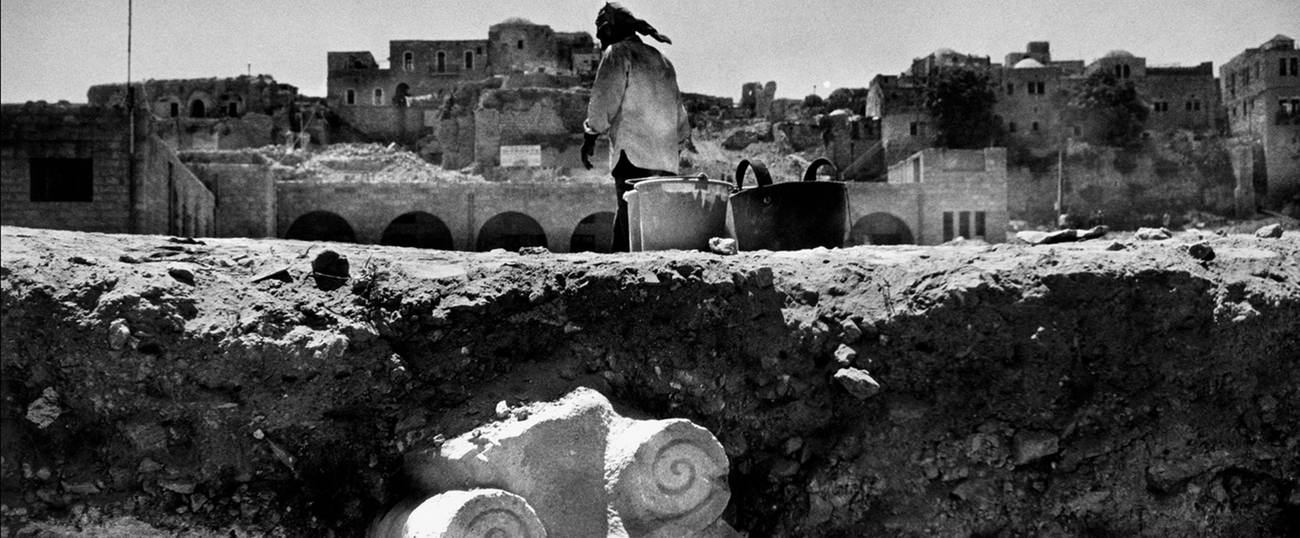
{"x": 615, "y": 23}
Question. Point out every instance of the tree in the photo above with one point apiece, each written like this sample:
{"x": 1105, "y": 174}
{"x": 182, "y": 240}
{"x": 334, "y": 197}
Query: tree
{"x": 1112, "y": 114}
{"x": 960, "y": 100}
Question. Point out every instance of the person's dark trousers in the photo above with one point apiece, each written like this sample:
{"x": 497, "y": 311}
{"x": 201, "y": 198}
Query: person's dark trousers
{"x": 623, "y": 171}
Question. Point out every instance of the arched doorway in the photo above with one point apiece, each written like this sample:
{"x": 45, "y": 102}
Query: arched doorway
{"x": 880, "y": 229}
{"x": 593, "y": 233}
{"x": 400, "y": 94}
{"x": 321, "y": 226}
{"x": 197, "y": 109}
{"x": 511, "y": 231}
{"x": 417, "y": 229}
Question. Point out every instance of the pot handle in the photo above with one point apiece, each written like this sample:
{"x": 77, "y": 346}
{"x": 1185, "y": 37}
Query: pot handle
{"x": 760, "y": 173}
{"x": 811, "y": 173}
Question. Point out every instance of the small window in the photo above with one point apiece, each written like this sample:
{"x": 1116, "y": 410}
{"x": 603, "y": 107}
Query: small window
{"x": 914, "y": 128}
{"x": 1011, "y": 127}
{"x": 197, "y": 109}
{"x": 519, "y": 44}
{"x": 947, "y": 226}
{"x": 1011, "y": 88}
{"x": 175, "y": 110}
{"x": 1078, "y": 131}
{"x": 964, "y": 224}
{"x": 1295, "y": 67}
{"x": 232, "y": 109}
{"x": 350, "y": 97}
{"x": 979, "y": 224}
{"x": 1126, "y": 71}
{"x": 1033, "y": 126}
{"x": 379, "y": 96}
{"x": 469, "y": 60}
{"x": 62, "y": 180}
{"x": 478, "y": 50}
{"x": 408, "y": 61}
{"x": 441, "y": 64}
{"x": 1281, "y": 67}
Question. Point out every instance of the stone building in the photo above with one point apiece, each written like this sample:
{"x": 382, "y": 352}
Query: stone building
{"x": 1033, "y": 91}
{"x": 1261, "y": 92}
{"x": 422, "y": 73}
{"x": 216, "y": 113}
{"x": 82, "y": 167}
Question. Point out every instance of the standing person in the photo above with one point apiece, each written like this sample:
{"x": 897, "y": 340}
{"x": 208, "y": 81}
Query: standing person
{"x": 636, "y": 102}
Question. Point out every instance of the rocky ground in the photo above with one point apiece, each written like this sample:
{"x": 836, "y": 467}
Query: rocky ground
{"x": 156, "y": 386}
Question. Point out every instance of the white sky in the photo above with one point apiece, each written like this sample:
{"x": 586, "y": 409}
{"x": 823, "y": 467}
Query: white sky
{"x": 56, "y": 49}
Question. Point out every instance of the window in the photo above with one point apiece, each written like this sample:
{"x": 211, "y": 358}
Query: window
{"x": 1122, "y": 71}
{"x": 1281, "y": 67}
{"x": 964, "y": 224}
{"x": 1034, "y": 126}
{"x": 979, "y": 224}
{"x": 232, "y": 109}
{"x": 469, "y": 60}
{"x": 175, "y": 110}
{"x": 1011, "y": 88}
{"x": 379, "y": 97}
{"x": 1036, "y": 88}
{"x": 1126, "y": 71}
{"x": 408, "y": 61}
{"x": 197, "y": 109}
{"x": 947, "y": 226}
{"x": 1295, "y": 67}
{"x": 62, "y": 180}
{"x": 441, "y": 64}
{"x": 478, "y": 50}
{"x": 915, "y": 128}
{"x": 350, "y": 97}
{"x": 1160, "y": 106}
{"x": 1193, "y": 105}
{"x": 1011, "y": 127}
{"x": 519, "y": 44}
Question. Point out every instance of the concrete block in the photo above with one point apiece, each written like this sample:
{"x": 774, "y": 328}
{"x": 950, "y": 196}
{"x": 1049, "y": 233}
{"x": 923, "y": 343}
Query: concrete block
{"x": 588, "y": 471}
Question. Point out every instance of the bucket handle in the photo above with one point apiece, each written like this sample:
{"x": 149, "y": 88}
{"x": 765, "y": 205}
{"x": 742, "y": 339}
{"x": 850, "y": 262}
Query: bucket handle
{"x": 811, "y": 173}
{"x": 760, "y": 173}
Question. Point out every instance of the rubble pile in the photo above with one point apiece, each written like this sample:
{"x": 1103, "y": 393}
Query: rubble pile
{"x": 153, "y": 387}
{"x": 369, "y": 163}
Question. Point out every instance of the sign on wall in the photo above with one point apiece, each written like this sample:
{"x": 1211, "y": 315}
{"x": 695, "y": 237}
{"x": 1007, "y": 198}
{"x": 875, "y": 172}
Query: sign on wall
{"x": 521, "y": 155}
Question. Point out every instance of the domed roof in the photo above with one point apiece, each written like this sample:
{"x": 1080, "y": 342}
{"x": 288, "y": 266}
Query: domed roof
{"x": 944, "y": 51}
{"x": 1117, "y": 53}
{"x": 1027, "y": 63}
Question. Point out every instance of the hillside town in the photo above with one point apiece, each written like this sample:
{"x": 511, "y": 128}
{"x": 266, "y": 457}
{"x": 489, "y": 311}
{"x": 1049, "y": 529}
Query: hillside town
{"x": 491, "y": 129}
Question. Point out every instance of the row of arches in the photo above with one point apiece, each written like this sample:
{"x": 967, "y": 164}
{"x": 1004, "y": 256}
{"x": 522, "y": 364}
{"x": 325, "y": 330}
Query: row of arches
{"x": 511, "y": 230}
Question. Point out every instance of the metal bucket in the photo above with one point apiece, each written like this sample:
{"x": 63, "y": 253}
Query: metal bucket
{"x": 788, "y": 216}
{"x": 677, "y": 213}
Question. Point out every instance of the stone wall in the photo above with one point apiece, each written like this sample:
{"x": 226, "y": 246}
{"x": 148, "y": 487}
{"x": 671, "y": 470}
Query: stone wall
{"x": 243, "y": 188}
{"x": 39, "y": 130}
{"x": 1126, "y": 190}
{"x": 170, "y": 199}
{"x": 550, "y": 118}
{"x": 464, "y": 208}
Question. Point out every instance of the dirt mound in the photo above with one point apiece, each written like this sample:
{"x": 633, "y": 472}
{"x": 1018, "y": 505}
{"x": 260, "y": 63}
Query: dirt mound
{"x": 153, "y": 385}
{"x": 370, "y": 163}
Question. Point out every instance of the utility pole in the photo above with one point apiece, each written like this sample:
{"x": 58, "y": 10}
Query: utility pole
{"x": 133, "y": 218}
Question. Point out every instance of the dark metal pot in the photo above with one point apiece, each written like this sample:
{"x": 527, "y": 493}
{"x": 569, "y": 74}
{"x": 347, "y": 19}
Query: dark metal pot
{"x": 791, "y": 215}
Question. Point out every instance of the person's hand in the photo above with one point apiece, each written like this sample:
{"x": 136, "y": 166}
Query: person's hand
{"x": 588, "y": 148}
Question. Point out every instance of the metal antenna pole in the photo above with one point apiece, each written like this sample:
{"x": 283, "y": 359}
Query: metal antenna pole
{"x": 130, "y": 90}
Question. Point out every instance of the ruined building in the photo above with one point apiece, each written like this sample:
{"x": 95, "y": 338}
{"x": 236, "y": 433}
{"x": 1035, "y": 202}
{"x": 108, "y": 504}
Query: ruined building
{"x": 1032, "y": 92}
{"x": 422, "y": 74}
{"x": 1261, "y": 92}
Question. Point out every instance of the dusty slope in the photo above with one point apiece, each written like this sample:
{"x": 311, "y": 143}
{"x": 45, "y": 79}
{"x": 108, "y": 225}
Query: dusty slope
{"x": 1064, "y": 390}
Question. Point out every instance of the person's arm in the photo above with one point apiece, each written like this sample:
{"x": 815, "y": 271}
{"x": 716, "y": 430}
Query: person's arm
{"x": 683, "y": 126}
